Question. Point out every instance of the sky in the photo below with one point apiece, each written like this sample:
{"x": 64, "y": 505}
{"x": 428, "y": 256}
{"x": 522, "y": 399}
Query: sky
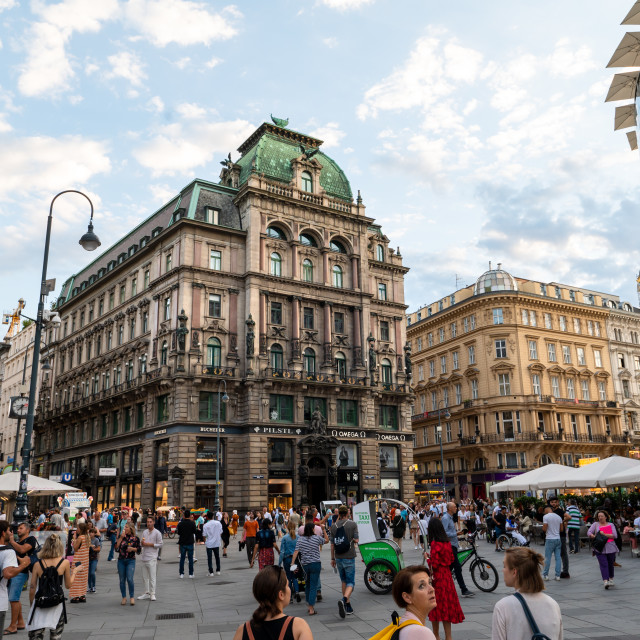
{"x": 475, "y": 131}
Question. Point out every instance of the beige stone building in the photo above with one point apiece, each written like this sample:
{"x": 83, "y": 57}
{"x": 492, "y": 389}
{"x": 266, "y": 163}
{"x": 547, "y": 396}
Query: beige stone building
{"x": 272, "y": 284}
{"x": 523, "y": 370}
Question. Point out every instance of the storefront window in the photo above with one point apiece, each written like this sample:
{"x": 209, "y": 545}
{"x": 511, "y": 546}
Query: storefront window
{"x": 161, "y": 496}
{"x": 162, "y": 454}
{"x": 280, "y": 454}
{"x": 280, "y": 493}
{"x": 388, "y": 456}
{"x": 207, "y": 458}
{"x": 347, "y": 454}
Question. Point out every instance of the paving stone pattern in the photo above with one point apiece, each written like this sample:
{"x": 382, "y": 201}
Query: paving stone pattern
{"x": 220, "y": 604}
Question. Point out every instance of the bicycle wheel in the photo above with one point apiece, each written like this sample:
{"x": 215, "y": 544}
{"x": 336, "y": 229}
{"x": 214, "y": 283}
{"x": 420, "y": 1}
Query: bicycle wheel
{"x": 378, "y": 576}
{"x": 484, "y": 575}
{"x": 504, "y": 542}
{"x": 171, "y": 534}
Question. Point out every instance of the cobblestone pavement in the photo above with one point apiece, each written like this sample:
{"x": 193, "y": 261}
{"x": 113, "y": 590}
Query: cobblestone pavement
{"x": 219, "y": 604}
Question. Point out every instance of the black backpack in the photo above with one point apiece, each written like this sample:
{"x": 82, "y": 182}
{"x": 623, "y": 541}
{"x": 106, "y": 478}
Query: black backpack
{"x": 33, "y": 555}
{"x": 341, "y": 541}
{"x": 50, "y": 592}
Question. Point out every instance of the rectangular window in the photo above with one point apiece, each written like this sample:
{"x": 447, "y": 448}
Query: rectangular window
{"x": 208, "y": 407}
{"x": 621, "y": 364}
{"x": 501, "y": 348}
{"x": 504, "y": 386}
{"x": 432, "y": 368}
{"x": 382, "y": 291}
{"x": 525, "y": 317}
{"x": 474, "y": 389}
{"x": 602, "y": 391}
{"x": 338, "y": 322}
{"x": 104, "y": 427}
{"x": 500, "y": 458}
{"x": 454, "y": 355}
{"x": 636, "y": 362}
{"x": 581, "y": 359}
{"x": 523, "y": 459}
{"x": 562, "y": 322}
{"x": 571, "y": 390}
{"x": 134, "y": 286}
{"x": 497, "y": 316}
{"x": 167, "y": 308}
{"x": 533, "y": 350}
{"x": 211, "y": 215}
{"x": 419, "y": 344}
{"x": 465, "y": 325}
{"x": 472, "y": 355}
{"x": 443, "y": 364}
{"x": 434, "y": 401}
{"x": 168, "y": 262}
{"x": 388, "y": 417}
{"x": 585, "y": 389}
{"x": 347, "y": 413}
{"x": 590, "y": 327}
{"x": 448, "y": 433}
{"x": 311, "y": 404}
{"x": 280, "y": 408}
{"x": 384, "y": 331}
{"x": 574, "y": 426}
{"x": 420, "y": 373}
{"x": 100, "y": 308}
{"x": 445, "y": 397}
{"x": 307, "y": 318}
{"x": 626, "y": 389}
{"x": 566, "y": 354}
{"x": 572, "y": 295}
{"x": 276, "y": 313}
{"x": 430, "y": 339}
{"x": 145, "y": 321}
{"x": 596, "y": 326}
{"x": 458, "y": 394}
{"x": 147, "y": 277}
{"x": 215, "y": 260}
{"x": 441, "y": 334}
{"x": 127, "y": 419}
{"x": 555, "y": 386}
{"x": 114, "y": 423}
{"x": 576, "y": 325}
{"x": 472, "y": 321}
{"x": 535, "y": 383}
{"x": 547, "y": 321}
{"x": 533, "y": 320}
{"x": 140, "y": 415}
{"x": 162, "y": 405}
{"x": 454, "y": 329}
{"x": 551, "y": 351}
{"x": 112, "y": 300}
{"x": 511, "y": 460}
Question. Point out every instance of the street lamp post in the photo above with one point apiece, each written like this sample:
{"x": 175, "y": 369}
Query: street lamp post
{"x": 225, "y": 399}
{"x": 90, "y": 242}
{"x": 447, "y": 415}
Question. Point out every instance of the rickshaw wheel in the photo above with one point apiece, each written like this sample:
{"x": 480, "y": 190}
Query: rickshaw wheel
{"x": 378, "y": 576}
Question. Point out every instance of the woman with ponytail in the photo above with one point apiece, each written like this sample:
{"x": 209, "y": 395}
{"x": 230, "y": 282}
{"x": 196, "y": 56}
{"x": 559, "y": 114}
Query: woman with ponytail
{"x": 272, "y": 592}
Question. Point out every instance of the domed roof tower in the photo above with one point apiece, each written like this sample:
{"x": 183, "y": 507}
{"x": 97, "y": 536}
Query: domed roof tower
{"x": 495, "y": 280}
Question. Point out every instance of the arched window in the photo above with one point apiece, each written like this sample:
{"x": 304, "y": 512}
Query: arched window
{"x": 336, "y": 246}
{"x": 276, "y": 357}
{"x": 309, "y": 361}
{"x": 386, "y": 371}
{"x": 341, "y": 365}
{"x": 163, "y": 353}
{"x": 478, "y": 464}
{"x": 307, "y": 181}
{"x": 337, "y": 276}
{"x": 308, "y": 240}
{"x": 380, "y": 253}
{"x": 276, "y": 264}
{"x": 276, "y": 232}
{"x": 544, "y": 460}
{"x": 307, "y": 270}
{"x": 214, "y": 352}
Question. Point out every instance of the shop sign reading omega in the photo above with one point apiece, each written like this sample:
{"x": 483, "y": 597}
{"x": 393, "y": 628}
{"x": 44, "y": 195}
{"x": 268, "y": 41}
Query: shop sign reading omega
{"x": 394, "y": 437}
{"x": 347, "y": 433}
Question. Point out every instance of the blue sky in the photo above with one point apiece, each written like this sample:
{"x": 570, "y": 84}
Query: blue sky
{"x": 475, "y": 131}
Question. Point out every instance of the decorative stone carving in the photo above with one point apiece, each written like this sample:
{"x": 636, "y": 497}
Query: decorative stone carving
{"x": 373, "y": 358}
{"x": 251, "y": 336}
{"x": 182, "y": 331}
{"x": 318, "y": 422}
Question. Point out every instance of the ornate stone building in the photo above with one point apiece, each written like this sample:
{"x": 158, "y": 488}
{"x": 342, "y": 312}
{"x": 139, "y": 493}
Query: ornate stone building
{"x": 518, "y": 373}
{"x": 272, "y": 285}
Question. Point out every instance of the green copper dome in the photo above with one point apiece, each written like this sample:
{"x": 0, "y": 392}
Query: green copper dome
{"x": 270, "y": 150}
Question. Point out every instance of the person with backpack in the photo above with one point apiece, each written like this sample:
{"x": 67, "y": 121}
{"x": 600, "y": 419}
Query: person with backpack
{"x": 344, "y": 532}
{"x": 398, "y": 526}
{"x": 25, "y": 546}
{"x": 46, "y": 593}
{"x": 266, "y": 540}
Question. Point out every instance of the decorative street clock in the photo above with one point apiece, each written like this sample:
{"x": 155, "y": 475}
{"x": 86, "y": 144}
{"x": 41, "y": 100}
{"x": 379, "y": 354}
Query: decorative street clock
{"x": 19, "y": 407}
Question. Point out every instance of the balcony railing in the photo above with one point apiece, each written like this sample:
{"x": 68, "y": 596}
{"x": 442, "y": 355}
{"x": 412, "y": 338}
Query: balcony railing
{"x": 219, "y": 372}
{"x": 324, "y": 378}
{"x": 390, "y": 386}
{"x": 589, "y": 403}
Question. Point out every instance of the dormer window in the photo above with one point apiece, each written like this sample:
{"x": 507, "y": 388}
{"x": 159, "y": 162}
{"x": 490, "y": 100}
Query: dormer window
{"x": 307, "y": 182}
{"x": 211, "y": 215}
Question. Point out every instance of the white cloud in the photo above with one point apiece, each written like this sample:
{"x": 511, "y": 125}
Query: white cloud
{"x": 90, "y": 68}
{"x": 182, "y": 63}
{"x": 330, "y": 133}
{"x": 127, "y": 66}
{"x": 181, "y": 22}
{"x": 191, "y": 111}
{"x": 4, "y": 125}
{"x": 214, "y": 62}
{"x": 178, "y": 148}
{"x": 567, "y": 60}
{"x": 346, "y": 5}
{"x": 330, "y": 42}
{"x": 7, "y": 4}
{"x": 156, "y": 104}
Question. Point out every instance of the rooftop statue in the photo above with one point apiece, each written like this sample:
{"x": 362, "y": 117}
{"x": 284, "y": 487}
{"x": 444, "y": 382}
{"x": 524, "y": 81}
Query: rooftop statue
{"x": 279, "y": 122}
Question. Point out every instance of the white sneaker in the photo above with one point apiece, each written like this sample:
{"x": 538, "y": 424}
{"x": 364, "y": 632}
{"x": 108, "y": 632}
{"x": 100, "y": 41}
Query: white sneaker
{"x": 144, "y": 596}
{"x": 217, "y": 573}
{"x": 606, "y": 584}
{"x": 558, "y": 578}
{"x": 543, "y": 577}
{"x": 415, "y": 548}
{"x": 192, "y": 576}
{"x": 153, "y": 598}
{"x": 611, "y": 582}
{"x": 209, "y": 575}
{"x": 182, "y": 576}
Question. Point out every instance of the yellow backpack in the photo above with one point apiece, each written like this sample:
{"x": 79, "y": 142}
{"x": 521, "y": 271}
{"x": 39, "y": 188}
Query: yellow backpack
{"x": 392, "y": 631}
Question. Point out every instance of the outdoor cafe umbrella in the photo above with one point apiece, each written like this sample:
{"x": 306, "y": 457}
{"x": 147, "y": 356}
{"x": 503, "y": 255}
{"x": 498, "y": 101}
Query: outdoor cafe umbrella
{"x": 591, "y": 475}
{"x": 625, "y": 117}
{"x": 628, "y": 52}
{"x": 623, "y": 86}
{"x": 530, "y": 481}
{"x": 626, "y": 477}
{"x": 9, "y": 484}
{"x": 633, "y": 17}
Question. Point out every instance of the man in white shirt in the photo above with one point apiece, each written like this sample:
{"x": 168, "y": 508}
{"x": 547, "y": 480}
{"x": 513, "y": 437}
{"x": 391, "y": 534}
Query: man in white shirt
{"x": 151, "y": 544}
{"x": 9, "y": 567}
{"x": 211, "y": 532}
{"x": 552, "y": 525}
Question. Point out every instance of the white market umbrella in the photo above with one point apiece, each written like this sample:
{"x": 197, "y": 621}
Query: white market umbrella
{"x": 632, "y": 136}
{"x": 530, "y": 481}
{"x": 9, "y": 484}
{"x": 627, "y": 477}
{"x": 628, "y": 52}
{"x": 633, "y": 17}
{"x": 595, "y": 474}
{"x": 625, "y": 117}
{"x": 623, "y": 86}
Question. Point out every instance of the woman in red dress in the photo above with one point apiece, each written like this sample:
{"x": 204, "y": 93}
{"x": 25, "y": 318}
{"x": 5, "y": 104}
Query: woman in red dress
{"x": 440, "y": 557}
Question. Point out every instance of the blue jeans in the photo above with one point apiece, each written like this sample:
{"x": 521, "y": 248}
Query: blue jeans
{"x": 216, "y": 552}
{"x": 552, "y": 548}
{"x": 126, "y": 569}
{"x": 313, "y": 578}
{"x": 113, "y": 539}
{"x": 15, "y": 588}
{"x": 293, "y": 581}
{"x": 186, "y": 549}
{"x": 347, "y": 570}
{"x": 93, "y": 565}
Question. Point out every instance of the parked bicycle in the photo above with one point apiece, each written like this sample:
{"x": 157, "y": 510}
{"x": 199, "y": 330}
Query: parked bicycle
{"x": 483, "y": 573}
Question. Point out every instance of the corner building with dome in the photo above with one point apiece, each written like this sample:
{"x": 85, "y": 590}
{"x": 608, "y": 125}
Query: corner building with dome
{"x": 272, "y": 284}
{"x": 519, "y": 375}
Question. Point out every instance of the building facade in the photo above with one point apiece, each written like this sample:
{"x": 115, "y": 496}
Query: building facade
{"x": 271, "y": 285}
{"x": 518, "y": 375}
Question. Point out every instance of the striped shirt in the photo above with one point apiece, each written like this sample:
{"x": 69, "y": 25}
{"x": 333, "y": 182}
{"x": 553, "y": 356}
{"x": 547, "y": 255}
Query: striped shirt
{"x": 576, "y": 517}
{"x": 309, "y": 548}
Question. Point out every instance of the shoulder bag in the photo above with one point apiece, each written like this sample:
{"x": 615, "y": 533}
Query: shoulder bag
{"x": 537, "y": 634}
